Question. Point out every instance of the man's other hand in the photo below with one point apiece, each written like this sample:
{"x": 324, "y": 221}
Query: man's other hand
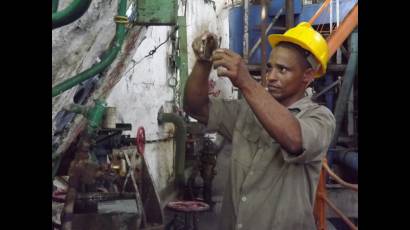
{"x": 230, "y": 64}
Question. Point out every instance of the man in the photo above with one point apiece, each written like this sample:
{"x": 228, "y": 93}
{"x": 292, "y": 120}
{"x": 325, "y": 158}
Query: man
{"x": 279, "y": 136}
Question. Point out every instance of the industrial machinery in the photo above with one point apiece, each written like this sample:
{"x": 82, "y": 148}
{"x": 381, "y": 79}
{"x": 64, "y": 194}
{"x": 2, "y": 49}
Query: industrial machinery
{"x": 108, "y": 184}
{"x": 102, "y": 180}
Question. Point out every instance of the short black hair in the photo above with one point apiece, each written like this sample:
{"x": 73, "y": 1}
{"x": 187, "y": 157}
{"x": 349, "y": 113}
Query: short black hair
{"x": 302, "y": 52}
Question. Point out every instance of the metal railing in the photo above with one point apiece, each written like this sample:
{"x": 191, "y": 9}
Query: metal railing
{"x": 322, "y": 200}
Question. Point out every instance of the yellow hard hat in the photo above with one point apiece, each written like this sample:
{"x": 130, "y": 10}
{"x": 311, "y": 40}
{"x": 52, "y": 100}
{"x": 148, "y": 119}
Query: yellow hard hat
{"x": 309, "y": 39}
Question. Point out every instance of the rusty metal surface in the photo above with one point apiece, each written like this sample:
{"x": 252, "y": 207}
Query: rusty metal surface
{"x": 83, "y": 201}
{"x": 83, "y": 178}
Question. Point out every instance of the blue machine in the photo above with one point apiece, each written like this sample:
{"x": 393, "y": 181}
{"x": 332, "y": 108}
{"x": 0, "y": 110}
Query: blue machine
{"x": 277, "y": 4}
{"x": 236, "y": 31}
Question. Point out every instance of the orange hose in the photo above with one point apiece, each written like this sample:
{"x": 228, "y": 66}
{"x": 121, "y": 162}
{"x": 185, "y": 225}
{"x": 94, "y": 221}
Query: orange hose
{"x": 354, "y": 187}
{"x": 319, "y": 209}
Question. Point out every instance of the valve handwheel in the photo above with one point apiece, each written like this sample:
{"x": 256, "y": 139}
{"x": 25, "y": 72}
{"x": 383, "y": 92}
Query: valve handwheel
{"x": 140, "y": 140}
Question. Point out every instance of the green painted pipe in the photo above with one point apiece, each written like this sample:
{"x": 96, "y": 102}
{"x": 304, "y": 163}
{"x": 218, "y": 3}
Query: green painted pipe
{"x": 95, "y": 116}
{"x": 180, "y": 138}
{"x": 71, "y": 13}
{"x": 183, "y": 55}
{"x": 54, "y": 6}
{"x": 101, "y": 66}
{"x": 56, "y": 160}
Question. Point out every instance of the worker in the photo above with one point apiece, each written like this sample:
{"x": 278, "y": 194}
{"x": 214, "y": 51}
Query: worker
{"x": 279, "y": 136}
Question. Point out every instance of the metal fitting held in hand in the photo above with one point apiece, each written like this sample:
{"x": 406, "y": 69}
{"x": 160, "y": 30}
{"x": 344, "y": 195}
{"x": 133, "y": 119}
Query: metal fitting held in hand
{"x": 204, "y": 45}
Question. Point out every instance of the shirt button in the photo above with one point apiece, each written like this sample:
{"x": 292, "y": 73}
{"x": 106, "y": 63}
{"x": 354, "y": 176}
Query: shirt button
{"x": 239, "y": 225}
{"x": 244, "y": 198}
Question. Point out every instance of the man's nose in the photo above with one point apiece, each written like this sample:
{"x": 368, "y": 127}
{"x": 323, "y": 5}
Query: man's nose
{"x": 271, "y": 76}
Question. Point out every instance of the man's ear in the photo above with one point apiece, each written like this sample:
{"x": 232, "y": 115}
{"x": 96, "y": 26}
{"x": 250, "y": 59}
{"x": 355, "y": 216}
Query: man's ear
{"x": 309, "y": 76}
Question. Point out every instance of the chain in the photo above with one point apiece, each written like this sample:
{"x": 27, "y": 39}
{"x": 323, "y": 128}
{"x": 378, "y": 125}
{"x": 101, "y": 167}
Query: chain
{"x": 151, "y": 52}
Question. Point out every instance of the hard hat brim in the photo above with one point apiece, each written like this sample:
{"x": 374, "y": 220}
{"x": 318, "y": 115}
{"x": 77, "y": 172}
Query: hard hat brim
{"x": 274, "y": 39}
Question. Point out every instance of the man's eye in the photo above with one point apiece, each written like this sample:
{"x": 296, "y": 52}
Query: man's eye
{"x": 282, "y": 69}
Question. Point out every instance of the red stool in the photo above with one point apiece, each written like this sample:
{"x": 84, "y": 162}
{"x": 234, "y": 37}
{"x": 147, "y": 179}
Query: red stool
{"x": 188, "y": 208}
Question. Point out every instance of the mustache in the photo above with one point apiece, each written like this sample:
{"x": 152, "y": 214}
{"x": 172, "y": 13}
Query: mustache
{"x": 272, "y": 86}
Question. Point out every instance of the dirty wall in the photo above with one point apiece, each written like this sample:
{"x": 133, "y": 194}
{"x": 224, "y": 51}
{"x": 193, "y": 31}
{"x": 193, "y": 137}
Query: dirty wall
{"x": 144, "y": 87}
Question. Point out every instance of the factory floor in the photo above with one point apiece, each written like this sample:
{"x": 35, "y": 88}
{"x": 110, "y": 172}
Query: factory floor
{"x": 209, "y": 220}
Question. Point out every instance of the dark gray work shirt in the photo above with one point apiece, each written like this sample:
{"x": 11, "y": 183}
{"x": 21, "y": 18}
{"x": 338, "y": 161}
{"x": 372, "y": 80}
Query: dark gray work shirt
{"x": 267, "y": 187}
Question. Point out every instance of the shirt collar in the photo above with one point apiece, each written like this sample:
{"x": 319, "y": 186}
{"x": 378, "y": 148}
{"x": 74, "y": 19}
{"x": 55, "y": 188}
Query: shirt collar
{"x": 301, "y": 103}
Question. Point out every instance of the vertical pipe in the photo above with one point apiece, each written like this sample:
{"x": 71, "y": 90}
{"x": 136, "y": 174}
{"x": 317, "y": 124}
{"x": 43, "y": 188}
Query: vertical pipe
{"x": 263, "y": 41}
{"x": 330, "y": 17}
{"x": 95, "y": 116}
{"x": 330, "y": 93}
{"x": 350, "y": 105}
{"x": 267, "y": 30}
{"x": 180, "y": 139}
{"x": 289, "y": 14}
{"x": 338, "y": 52}
{"x": 246, "y": 30}
{"x": 350, "y": 113}
{"x": 109, "y": 118}
{"x": 183, "y": 54}
{"x": 329, "y": 98}
{"x": 56, "y": 161}
{"x": 54, "y": 6}
{"x": 346, "y": 86}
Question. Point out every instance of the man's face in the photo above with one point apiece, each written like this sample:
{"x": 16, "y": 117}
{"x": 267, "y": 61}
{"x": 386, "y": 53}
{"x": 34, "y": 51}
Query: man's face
{"x": 287, "y": 77}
